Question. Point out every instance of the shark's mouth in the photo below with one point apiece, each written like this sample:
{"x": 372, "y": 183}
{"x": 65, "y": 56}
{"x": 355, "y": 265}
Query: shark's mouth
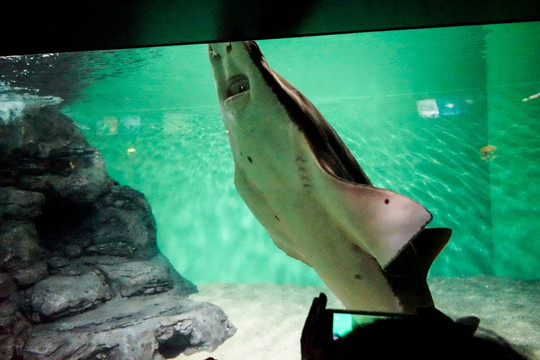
{"x": 236, "y": 86}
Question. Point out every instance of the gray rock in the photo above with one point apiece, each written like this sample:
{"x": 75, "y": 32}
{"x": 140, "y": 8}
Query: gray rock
{"x": 57, "y": 263}
{"x": 127, "y": 277}
{"x": 43, "y": 151}
{"x": 122, "y": 225}
{"x": 25, "y": 277}
{"x": 83, "y": 179}
{"x": 118, "y": 224}
{"x": 7, "y": 287}
{"x": 60, "y": 296}
{"x": 145, "y": 277}
{"x": 14, "y": 332}
{"x": 19, "y": 245}
{"x": 80, "y": 273}
{"x": 150, "y": 327}
{"x": 19, "y": 204}
{"x": 9, "y": 315}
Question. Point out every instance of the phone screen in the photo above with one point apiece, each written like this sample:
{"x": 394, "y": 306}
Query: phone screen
{"x": 345, "y": 322}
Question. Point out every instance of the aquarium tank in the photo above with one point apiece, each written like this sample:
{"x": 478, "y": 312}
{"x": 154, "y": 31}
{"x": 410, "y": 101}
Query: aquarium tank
{"x": 447, "y": 116}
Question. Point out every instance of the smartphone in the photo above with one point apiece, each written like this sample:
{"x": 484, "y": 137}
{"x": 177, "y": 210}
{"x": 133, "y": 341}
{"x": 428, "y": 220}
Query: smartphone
{"x": 343, "y": 321}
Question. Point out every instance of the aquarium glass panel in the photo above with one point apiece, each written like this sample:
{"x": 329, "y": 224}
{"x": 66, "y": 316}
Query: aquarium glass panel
{"x": 446, "y": 116}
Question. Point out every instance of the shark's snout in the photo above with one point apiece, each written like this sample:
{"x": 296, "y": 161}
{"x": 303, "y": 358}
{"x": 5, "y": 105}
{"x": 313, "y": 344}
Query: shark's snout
{"x": 228, "y": 60}
{"x": 213, "y": 51}
{"x": 219, "y": 50}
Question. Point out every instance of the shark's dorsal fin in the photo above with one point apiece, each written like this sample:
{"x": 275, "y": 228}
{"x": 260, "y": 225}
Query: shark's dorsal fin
{"x": 379, "y": 221}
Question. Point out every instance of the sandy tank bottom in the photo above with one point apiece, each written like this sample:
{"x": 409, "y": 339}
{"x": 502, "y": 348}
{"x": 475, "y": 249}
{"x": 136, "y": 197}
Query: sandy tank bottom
{"x": 270, "y": 317}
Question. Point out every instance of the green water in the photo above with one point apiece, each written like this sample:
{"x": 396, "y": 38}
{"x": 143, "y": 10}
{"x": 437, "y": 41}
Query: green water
{"x": 153, "y": 114}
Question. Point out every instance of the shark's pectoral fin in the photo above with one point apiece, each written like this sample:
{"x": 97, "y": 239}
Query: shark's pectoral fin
{"x": 381, "y": 222}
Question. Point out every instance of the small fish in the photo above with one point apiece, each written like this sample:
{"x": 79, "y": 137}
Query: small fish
{"x": 532, "y": 97}
{"x": 487, "y": 152}
{"x": 302, "y": 183}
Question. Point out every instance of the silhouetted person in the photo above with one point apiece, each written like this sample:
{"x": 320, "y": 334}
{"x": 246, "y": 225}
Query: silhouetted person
{"x": 429, "y": 334}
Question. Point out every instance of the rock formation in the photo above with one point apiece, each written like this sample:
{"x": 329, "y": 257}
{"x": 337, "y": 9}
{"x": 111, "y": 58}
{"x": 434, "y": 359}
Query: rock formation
{"x": 80, "y": 273}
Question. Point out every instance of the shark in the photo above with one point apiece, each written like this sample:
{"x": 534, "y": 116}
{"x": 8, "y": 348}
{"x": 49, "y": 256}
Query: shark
{"x": 369, "y": 245}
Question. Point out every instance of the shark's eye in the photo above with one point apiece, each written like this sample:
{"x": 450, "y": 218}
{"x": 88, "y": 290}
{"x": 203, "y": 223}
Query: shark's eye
{"x": 238, "y": 85}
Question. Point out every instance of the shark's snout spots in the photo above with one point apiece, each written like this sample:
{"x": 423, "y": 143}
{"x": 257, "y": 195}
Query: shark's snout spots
{"x": 217, "y": 51}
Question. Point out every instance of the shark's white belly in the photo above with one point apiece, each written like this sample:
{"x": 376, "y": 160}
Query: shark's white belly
{"x": 283, "y": 188}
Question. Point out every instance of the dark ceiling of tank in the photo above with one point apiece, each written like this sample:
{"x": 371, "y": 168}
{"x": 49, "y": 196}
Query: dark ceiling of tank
{"x": 41, "y": 27}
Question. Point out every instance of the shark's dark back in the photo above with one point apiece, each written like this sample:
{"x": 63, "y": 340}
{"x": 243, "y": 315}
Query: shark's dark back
{"x": 331, "y": 151}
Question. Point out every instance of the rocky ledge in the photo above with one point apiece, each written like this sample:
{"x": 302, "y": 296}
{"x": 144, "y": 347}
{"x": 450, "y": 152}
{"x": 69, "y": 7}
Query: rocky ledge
{"x": 80, "y": 273}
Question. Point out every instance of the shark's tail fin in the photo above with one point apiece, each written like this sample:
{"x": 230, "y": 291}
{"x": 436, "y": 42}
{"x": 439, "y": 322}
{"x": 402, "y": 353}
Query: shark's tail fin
{"x": 407, "y": 273}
